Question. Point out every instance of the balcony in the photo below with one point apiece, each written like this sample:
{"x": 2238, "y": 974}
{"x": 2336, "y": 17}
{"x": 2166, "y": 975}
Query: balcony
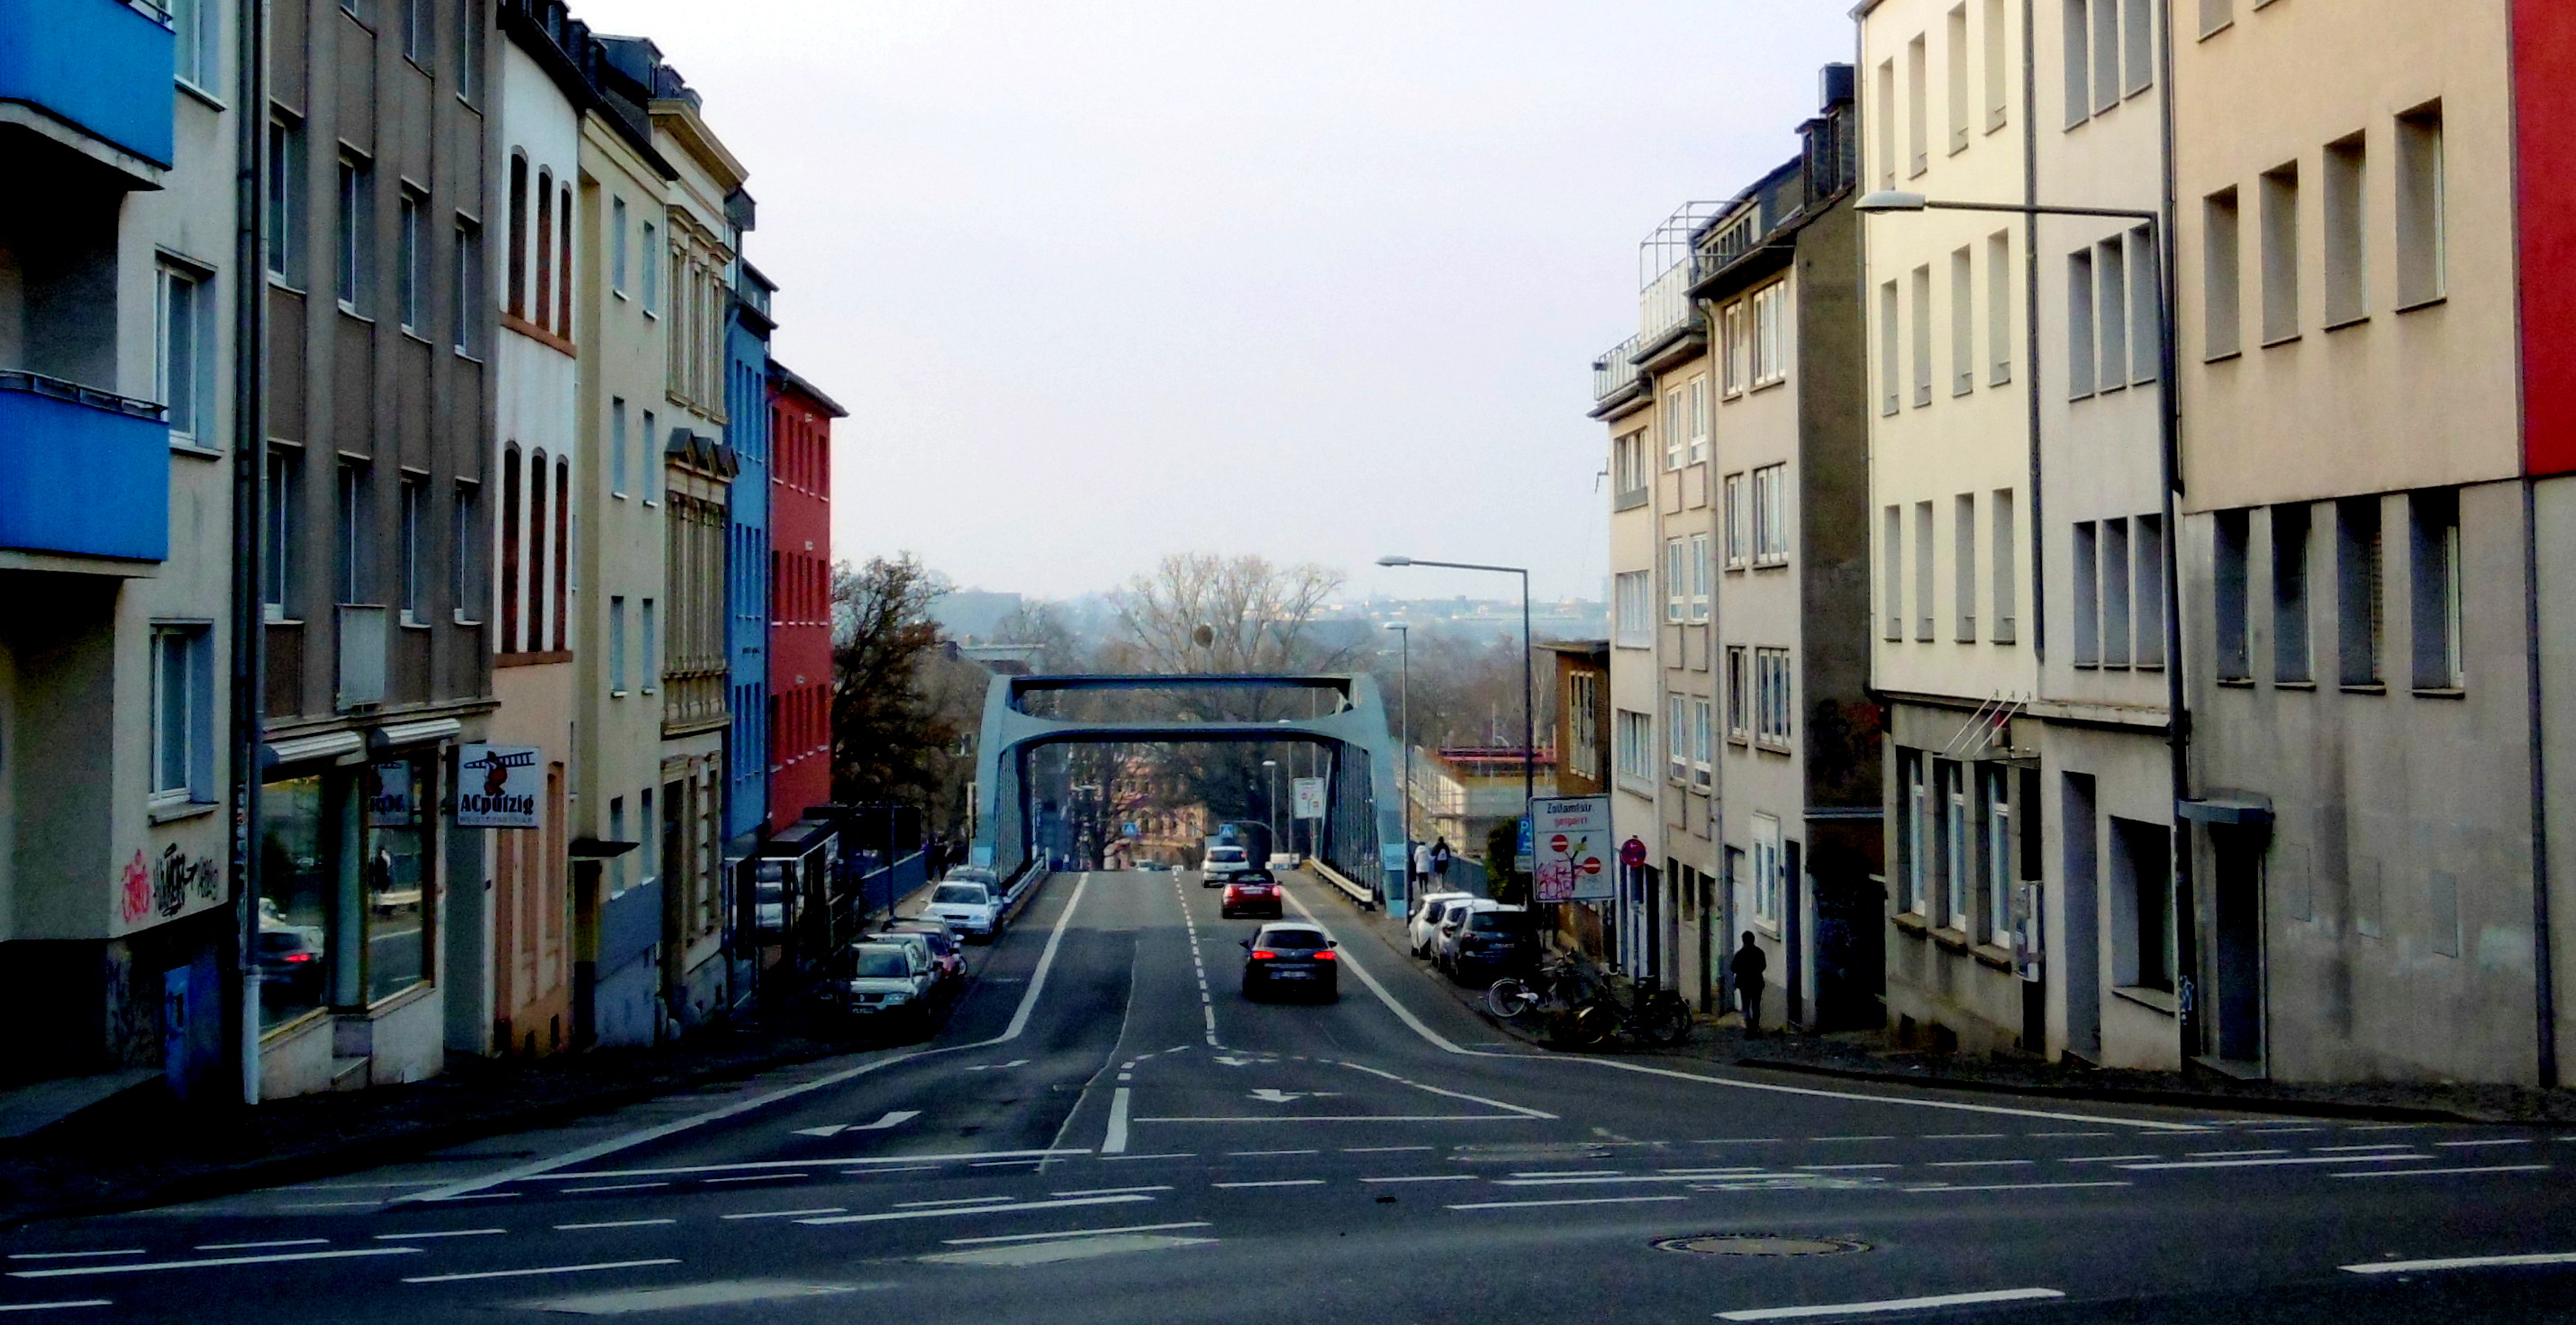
{"x": 82, "y": 473}
{"x": 1615, "y": 374}
{"x": 94, "y": 75}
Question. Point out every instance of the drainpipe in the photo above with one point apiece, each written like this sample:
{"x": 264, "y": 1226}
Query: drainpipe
{"x": 2177, "y": 715}
{"x": 2543, "y": 949}
{"x": 250, "y": 433}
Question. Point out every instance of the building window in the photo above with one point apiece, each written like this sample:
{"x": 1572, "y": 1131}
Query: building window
{"x": 2340, "y": 200}
{"x": 415, "y": 31}
{"x": 285, "y": 199}
{"x": 469, "y": 50}
{"x": 1770, "y": 515}
{"x": 2087, "y": 602}
{"x": 1770, "y": 344}
{"x": 1999, "y": 313}
{"x": 2079, "y": 63}
{"x": 2280, "y": 221}
{"x": 1955, "y": 57}
{"x": 196, "y": 24}
{"x": 2420, "y": 227}
{"x": 2146, "y": 292}
{"x": 2359, "y": 595}
{"x": 186, "y": 357}
{"x": 298, "y": 891}
{"x": 1636, "y": 737}
{"x": 617, "y": 644}
{"x": 470, "y": 295}
{"x": 1739, "y": 699}
{"x": 2142, "y": 948}
{"x": 617, "y": 245}
{"x": 183, "y": 707}
{"x": 1998, "y": 96}
{"x": 617, "y": 442}
{"x": 464, "y": 553}
{"x": 356, "y": 224}
{"x": 652, "y": 269}
{"x": 1582, "y": 723}
{"x": 1922, "y": 296}
{"x": 532, "y": 545}
{"x": 617, "y": 833}
{"x": 2291, "y": 660}
{"x": 1923, "y": 571}
{"x": 2115, "y": 593}
{"x": 2106, "y": 55}
{"x": 650, "y": 448}
{"x": 2111, "y": 313}
{"x": 1703, "y": 744}
{"x": 1891, "y": 575}
{"x": 2007, "y": 589}
{"x": 1889, "y": 383}
{"x": 1960, "y": 849}
{"x": 1698, "y": 419}
{"x": 1673, "y": 424}
{"x": 2081, "y": 360}
{"x": 1677, "y": 735}
{"x": 2436, "y": 597}
{"x": 353, "y": 531}
{"x": 1736, "y": 335}
{"x": 1916, "y": 828}
{"x": 1676, "y": 580}
{"x": 413, "y": 263}
{"x": 1887, "y": 124}
{"x": 1739, "y": 523}
{"x": 2231, "y": 536}
{"x": 1772, "y": 699}
{"x": 1999, "y": 856}
{"x": 2224, "y": 315}
{"x": 652, "y": 642}
{"x": 415, "y": 494}
{"x": 1767, "y": 864}
{"x": 1701, "y": 573}
{"x": 2150, "y": 591}
{"x": 1918, "y": 130}
{"x": 563, "y": 554}
{"x": 1963, "y": 569}
{"x": 1963, "y": 329}
{"x": 545, "y": 255}
{"x": 514, "y": 540}
{"x": 1627, "y": 467}
{"x": 1635, "y": 593}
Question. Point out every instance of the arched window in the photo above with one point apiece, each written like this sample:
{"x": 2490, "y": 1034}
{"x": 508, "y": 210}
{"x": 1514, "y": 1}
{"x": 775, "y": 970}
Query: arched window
{"x": 545, "y": 249}
{"x": 563, "y": 265}
{"x": 536, "y": 556}
{"x": 510, "y": 548}
{"x": 515, "y": 303}
{"x": 563, "y": 553}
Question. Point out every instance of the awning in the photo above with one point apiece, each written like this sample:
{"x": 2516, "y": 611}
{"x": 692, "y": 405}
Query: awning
{"x": 334, "y": 746}
{"x": 402, "y": 734}
{"x": 2237, "y": 809}
{"x": 592, "y": 848}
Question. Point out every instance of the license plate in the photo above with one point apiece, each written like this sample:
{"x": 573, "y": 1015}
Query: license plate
{"x": 1291, "y": 975}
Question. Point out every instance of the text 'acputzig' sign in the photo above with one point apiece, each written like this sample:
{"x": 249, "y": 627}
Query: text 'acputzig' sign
{"x": 497, "y": 786}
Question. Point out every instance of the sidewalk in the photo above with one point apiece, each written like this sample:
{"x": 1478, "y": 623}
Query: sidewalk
{"x": 1865, "y": 1056}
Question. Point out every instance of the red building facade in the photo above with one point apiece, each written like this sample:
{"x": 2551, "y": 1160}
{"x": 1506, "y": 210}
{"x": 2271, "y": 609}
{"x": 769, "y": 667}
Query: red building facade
{"x": 800, "y": 600}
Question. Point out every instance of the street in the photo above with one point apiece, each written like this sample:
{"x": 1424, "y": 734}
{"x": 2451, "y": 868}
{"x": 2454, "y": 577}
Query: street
{"x": 1105, "y": 1130}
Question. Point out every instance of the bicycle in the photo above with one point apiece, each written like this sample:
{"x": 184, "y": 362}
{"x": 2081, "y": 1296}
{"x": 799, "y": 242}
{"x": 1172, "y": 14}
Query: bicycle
{"x": 1556, "y": 982}
{"x": 1655, "y": 1016}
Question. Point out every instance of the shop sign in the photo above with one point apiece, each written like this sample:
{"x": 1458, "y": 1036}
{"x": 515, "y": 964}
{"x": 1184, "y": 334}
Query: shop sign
{"x": 497, "y": 786}
{"x": 389, "y": 796}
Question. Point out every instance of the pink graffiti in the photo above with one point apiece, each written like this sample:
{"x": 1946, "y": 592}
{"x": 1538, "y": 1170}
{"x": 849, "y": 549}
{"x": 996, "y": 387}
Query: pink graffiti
{"x": 138, "y": 889}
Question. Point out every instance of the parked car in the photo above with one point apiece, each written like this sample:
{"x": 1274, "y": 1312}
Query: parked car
{"x": 1444, "y": 925}
{"x": 1221, "y": 861}
{"x": 888, "y": 982}
{"x": 1294, "y": 956}
{"x": 1252, "y": 892}
{"x": 1489, "y": 941}
{"x": 942, "y": 988}
{"x": 972, "y": 907}
{"x": 1425, "y": 924}
{"x": 946, "y": 951}
{"x": 1282, "y": 860}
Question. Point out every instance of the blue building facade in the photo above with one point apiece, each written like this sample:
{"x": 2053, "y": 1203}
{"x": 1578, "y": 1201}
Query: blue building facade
{"x": 747, "y": 569}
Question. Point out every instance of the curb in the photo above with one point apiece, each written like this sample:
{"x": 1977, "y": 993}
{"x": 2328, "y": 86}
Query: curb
{"x": 2272, "y": 1104}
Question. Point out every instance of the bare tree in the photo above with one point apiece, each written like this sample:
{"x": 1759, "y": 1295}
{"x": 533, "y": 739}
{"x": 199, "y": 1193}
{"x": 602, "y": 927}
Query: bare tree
{"x": 1200, "y": 612}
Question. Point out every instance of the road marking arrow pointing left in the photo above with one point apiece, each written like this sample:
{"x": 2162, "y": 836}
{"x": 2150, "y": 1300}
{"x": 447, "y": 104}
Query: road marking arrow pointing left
{"x": 893, "y": 1118}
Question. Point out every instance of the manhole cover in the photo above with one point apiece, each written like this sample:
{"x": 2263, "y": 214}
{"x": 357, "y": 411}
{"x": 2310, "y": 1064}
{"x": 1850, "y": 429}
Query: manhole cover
{"x": 1759, "y": 1244}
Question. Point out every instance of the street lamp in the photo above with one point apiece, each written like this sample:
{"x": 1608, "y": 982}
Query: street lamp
{"x": 1273, "y": 766}
{"x": 2169, "y": 420}
{"x": 1404, "y": 634}
{"x": 1529, "y": 682}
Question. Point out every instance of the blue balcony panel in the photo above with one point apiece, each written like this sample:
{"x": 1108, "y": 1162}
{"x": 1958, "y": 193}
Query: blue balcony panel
{"x": 82, "y": 473}
{"x": 104, "y": 67}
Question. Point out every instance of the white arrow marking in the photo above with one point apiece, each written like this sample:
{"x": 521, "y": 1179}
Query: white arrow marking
{"x": 1268, "y": 1095}
{"x": 991, "y": 1067}
{"x": 1231, "y": 1061}
{"x": 893, "y": 1118}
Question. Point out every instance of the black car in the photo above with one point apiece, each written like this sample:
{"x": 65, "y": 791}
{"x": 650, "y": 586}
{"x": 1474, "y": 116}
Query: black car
{"x": 1291, "y": 957}
{"x": 1491, "y": 944}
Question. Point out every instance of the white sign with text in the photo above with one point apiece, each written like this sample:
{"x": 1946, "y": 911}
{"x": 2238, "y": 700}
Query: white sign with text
{"x": 497, "y": 786}
{"x": 1571, "y": 860}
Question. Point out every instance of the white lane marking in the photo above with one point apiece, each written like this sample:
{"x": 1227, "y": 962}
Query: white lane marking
{"x": 1405, "y": 1015}
{"x": 2014, "y": 1186}
{"x": 1072, "y": 1233}
{"x": 2178, "y": 1127}
{"x": 612, "y": 1223}
{"x": 975, "y": 1210}
{"x": 1851, "y": 1138}
{"x": 2462, "y": 1263}
{"x": 1595, "y": 1182}
{"x": 1426, "y": 1177}
{"x": 1126, "y": 1076}
{"x": 1381, "y": 1150}
{"x": 1571, "y": 1200}
{"x": 442, "y": 1233}
{"x": 471, "y": 1196}
{"x": 1356, "y": 1118}
{"x": 327, "y": 1205}
{"x": 790, "y": 1214}
{"x": 1253, "y": 1154}
{"x": 2419, "y": 1173}
{"x": 2274, "y": 1163}
{"x": 615, "y": 1187}
{"x": 1739, "y": 1141}
{"x": 1274, "y": 1182}
{"x": 1065, "y": 1249}
{"x": 2504, "y": 1141}
{"x": 893, "y": 1118}
{"x": 136, "y": 1267}
{"x": 57, "y": 1306}
{"x": 1965, "y": 1136}
{"x": 1113, "y": 1191}
{"x": 996, "y": 1067}
{"x": 539, "y": 1269}
{"x": 2385, "y": 1127}
{"x": 255, "y": 1246}
{"x": 1981, "y": 1163}
{"x": 68, "y": 1255}
{"x": 1894, "y": 1304}
{"x": 871, "y": 1173}
{"x": 1175, "y": 1154}
{"x": 1569, "y": 1173}
{"x": 1839, "y": 1168}
{"x": 585, "y": 1154}
{"x": 2105, "y": 1159}
{"x": 2229, "y": 1154}
{"x": 810, "y": 1164}
{"x": 955, "y": 1200}
{"x": 2329, "y": 1150}
{"x": 1114, "y": 1141}
{"x": 1452, "y": 1094}
{"x": 760, "y": 1177}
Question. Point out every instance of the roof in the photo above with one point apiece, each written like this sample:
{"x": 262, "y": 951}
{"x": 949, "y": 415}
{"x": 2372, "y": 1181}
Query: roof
{"x": 781, "y": 374}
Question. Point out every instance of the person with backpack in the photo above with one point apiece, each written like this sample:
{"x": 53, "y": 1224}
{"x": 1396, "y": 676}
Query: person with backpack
{"x": 1440, "y": 860}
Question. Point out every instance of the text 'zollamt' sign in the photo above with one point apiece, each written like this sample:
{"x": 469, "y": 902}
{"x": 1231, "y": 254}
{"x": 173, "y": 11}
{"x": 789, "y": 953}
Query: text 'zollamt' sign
{"x": 497, "y": 786}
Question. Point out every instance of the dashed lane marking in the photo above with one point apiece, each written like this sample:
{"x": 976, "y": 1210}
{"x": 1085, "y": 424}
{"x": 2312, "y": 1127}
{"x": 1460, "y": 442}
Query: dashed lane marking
{"x": 2015, "y": 1186}
{"x": 1571, "y": 1200}
{"x": 68, "y": 1255}
{"x": 975, "y": 1210}
{"x": 1273, "y": 1182}
{"x": 442, "y": 1233}
{"x": 1893, "y": 1304}
{"x": 1114, "y": 1191}
{"x": 256, "y": 1246}
{"x": 535, "y": 1270}
{"x": 1071, "y": 1233}
{"x": 2421, "y": 1173}
{"x": 58, "y": 1306}
{"x": 790, "y": 1214}
{"x": 614, "y": 1223}
{"x": 211, "y": 1262}
{"x": 2461, "y": 1263}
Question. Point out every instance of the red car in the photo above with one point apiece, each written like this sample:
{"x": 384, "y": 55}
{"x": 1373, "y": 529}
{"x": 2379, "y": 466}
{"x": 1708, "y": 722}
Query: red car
{"x": 1253, "y": 893}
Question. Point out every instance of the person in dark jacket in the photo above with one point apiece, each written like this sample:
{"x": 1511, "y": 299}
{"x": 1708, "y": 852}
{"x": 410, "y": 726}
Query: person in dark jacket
{"x": 1440, "y": 860}
{"x": 1748, "y": 968}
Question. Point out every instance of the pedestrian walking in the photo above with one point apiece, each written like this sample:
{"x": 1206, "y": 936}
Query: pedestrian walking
{"x": 1421, "y": 861}
{"x": 1440, "y": 860}
{"x": 1749, "y": 966}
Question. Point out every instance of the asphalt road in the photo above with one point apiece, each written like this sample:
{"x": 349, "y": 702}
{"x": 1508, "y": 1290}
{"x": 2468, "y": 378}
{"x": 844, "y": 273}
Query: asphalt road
{"x": 1105, "y": 1130}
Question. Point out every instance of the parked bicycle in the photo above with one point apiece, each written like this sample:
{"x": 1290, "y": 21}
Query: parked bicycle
{"x": 1654, "y": 1016}
{"x": 1557, "y": 983}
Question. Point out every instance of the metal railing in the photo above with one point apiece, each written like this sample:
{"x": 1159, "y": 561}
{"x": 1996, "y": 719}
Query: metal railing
{"x": 1615, "y": 371}
{"x": 1665, "y": 306}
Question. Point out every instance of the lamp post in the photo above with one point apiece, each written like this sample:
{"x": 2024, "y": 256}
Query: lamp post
{"x": 1404, "y": 719}
{"x": 2169, "y": 421}
{"x": 1529, "y": 684}
{"x": 1273, "y": 766}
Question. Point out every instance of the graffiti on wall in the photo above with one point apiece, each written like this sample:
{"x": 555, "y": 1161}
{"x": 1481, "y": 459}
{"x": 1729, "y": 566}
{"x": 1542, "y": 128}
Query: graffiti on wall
{"x": 168, "y": 886}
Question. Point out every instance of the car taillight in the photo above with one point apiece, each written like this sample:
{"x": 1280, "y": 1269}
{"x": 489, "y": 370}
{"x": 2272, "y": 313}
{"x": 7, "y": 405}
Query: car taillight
{"x": 1263, "y": 954}
{"x": 1323, "y": 956}
{"x": 295, "y": 957}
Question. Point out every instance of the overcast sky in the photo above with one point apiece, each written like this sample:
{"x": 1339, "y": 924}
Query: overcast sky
{"x": 1320, "y": 281}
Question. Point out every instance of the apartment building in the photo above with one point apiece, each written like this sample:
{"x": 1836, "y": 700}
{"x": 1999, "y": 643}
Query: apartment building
{"x": 800, "y": 590}
{"x": 747, "y": 544}
{"x": 1796, "y": 754}
{"x": 537, "y": 453}
{"x": 2362, "y": 519}
{"x": 1584, "y": 720}
{"x": 377, "y": 647}
{"x": 120, "y": 282}
{"x": 1953, "y": 461}
{"x": 1623, "y": 401}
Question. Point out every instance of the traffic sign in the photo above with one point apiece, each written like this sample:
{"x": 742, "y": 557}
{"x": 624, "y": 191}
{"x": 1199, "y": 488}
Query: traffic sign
{"x": 1578, "y": 837}
{"x": 1632, "y": 853}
